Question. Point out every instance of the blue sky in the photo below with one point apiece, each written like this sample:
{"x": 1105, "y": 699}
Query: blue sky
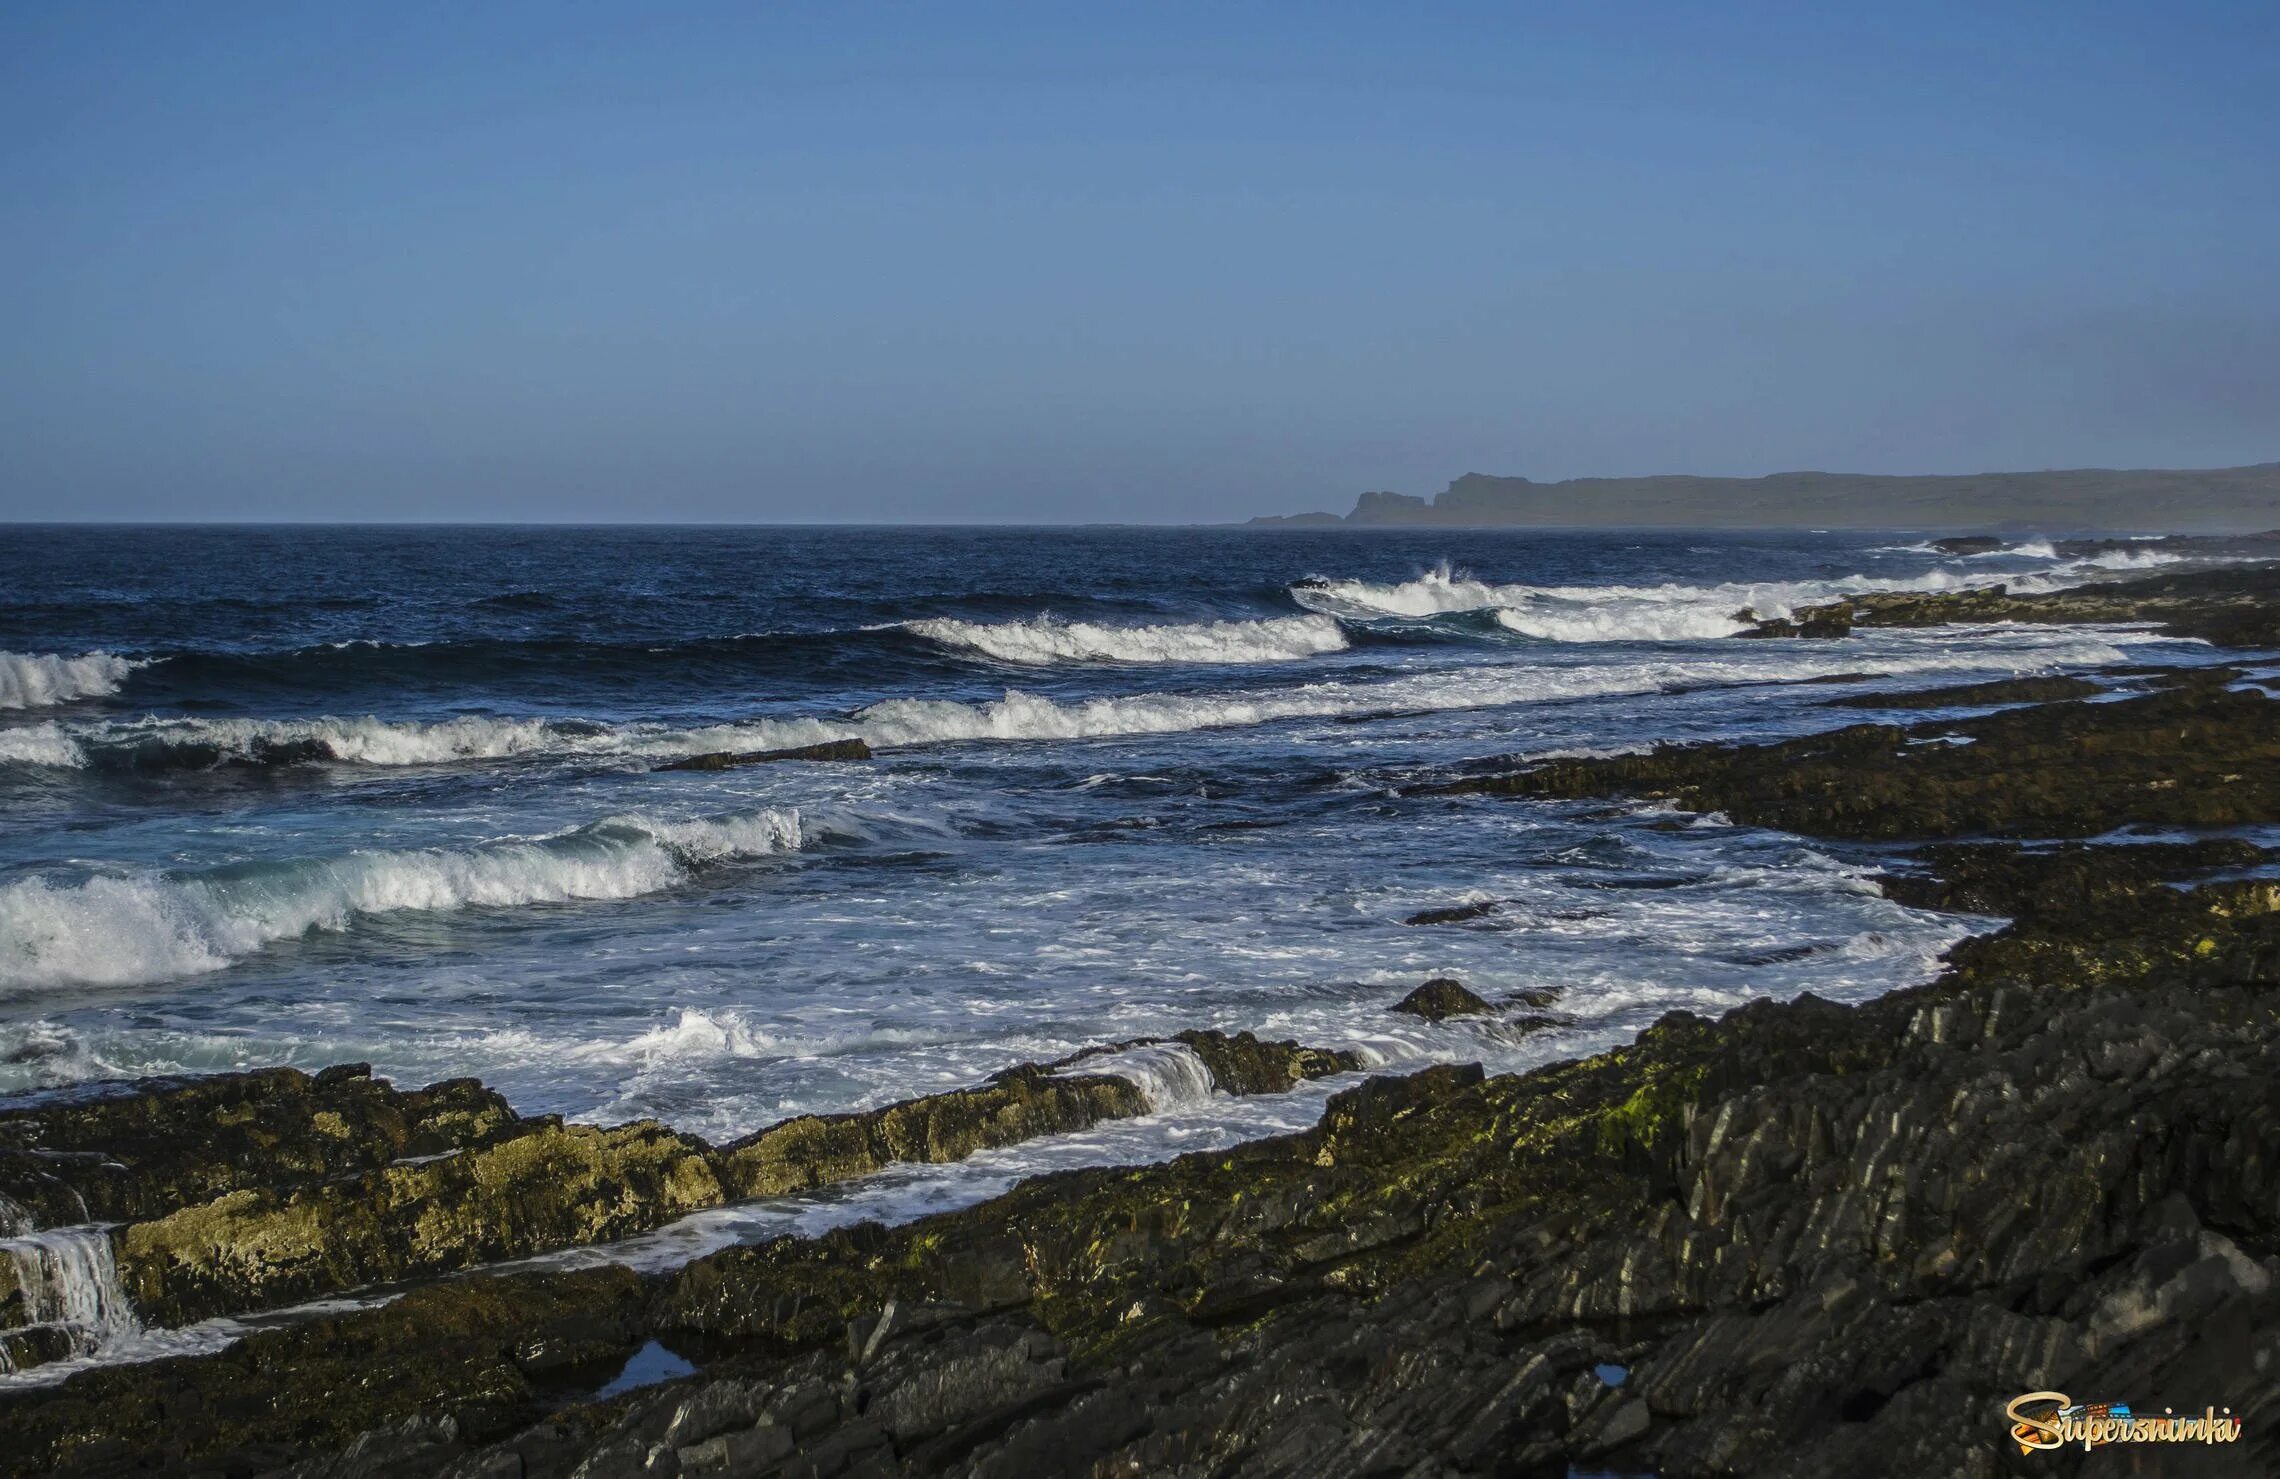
{"x": 1160, "y": 262}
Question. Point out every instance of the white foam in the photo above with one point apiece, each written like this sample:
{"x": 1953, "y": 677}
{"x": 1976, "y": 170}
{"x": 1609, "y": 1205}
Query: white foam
{"x": 41, "y": 744}
{"x": 126, "y": 930}
{"x": 1047, "y": 640}
{"x": 1022, "y": 716}
{"x": 38, "y": 680}
{"x": 1168, "y": 1074}
{"x": 70, "y": 1282}
{"x": 1613, "y": 613}
{"x": 2133, "y": 559}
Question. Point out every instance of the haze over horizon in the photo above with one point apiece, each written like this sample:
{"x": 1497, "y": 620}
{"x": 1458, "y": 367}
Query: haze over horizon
{"x": 1013, "y": 263}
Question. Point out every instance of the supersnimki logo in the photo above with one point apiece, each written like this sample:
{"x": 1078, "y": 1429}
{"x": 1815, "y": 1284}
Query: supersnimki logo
{"x": 2053, "y": 1420}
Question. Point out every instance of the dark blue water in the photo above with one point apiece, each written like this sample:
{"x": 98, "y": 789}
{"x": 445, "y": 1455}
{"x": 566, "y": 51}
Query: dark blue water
{"x": 310, "y": 795}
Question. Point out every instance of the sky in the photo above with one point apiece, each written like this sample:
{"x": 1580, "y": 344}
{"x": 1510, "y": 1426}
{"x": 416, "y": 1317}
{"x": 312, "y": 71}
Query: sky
{"x": 1155, "y": 263}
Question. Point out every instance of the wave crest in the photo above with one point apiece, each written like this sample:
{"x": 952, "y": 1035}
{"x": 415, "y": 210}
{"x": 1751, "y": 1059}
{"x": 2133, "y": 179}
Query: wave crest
{"x": 1046, "y": 639}
{"x": 39, "y": 680}
{"x": 128, "y": 930}
{"x": 1615, "y": 613}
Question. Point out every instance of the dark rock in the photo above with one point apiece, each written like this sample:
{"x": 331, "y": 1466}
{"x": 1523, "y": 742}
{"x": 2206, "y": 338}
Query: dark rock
{"x": 2234, "y": 607}
{"x": 151, "y": 1149}
{"x": 1968, "y": 544}
{"x": 843, "y": 749}
{"x": 525, "y": 1186}
{"x": 1834, "y": 620}
{"x": 1456, "y": 914}
{"x": 1441, "y": 998}
{"x": 1973, "y": 695}
{"x": 2197, "y": 755}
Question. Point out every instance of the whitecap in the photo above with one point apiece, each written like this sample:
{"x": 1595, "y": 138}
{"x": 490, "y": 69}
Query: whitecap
{"x": 1048, "y": 640}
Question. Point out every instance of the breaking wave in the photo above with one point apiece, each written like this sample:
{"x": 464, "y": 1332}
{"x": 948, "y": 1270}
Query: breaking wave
{"x": 118, "y": 930}
{"x": 1048, "y": 640}
{"x": 1614, "y": 613}
{"x": 39, "y": 680}
{"x": 904, "y": 722}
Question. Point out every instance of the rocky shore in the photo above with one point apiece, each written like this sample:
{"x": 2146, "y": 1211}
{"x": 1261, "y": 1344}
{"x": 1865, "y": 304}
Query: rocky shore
{"x": 1803, "y": 1239}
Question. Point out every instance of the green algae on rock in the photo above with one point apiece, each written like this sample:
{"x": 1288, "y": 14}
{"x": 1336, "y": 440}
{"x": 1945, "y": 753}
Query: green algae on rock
{"x": 104, "y": 1157}
{"x": 2198, "y": 755}
{"x": 535, "y": 1185}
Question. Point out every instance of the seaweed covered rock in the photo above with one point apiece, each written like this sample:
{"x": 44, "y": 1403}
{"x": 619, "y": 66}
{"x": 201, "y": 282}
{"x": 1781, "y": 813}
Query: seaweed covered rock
{"x": 1018, "y": 1104}
{"x": 2199, "y": 755}
{"x": 445, "y": 1367}
{"x": 2040, "y": 690}
{"x": 518, "y": 1187}
{"x": 142, "y": 1153}
{"x": 553, "y": 1186}
{"x": 1442, "y": 998}
{"x": 2234, "y": 607}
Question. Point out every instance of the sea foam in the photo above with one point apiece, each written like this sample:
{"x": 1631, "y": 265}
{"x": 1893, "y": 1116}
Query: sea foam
{"x": 116, "y": 930}
{"x": 1618, "y": 613}
{"x": 38, "y": 680}
{"x": 1048, "y": 640}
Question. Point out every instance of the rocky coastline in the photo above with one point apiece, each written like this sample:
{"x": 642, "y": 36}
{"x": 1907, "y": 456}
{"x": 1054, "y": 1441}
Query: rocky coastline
{"x": 1805, "y": 1238}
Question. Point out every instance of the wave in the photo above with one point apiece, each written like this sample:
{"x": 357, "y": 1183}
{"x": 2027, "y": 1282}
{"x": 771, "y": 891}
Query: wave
{"x": 2133, "y": 559}
{"x": 206, "y": 744}
{"x": 41, "y": 745}
{"x": 122, "y": 930}
{"x": 39, "y": 680}
{"x": 1614, "y": 613}
{"x": 1018, "y": 716}
{"x": 1048, "y": 640}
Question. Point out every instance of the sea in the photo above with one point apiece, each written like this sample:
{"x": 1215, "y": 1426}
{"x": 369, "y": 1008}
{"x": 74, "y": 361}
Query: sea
{"x": 314, "y": 795}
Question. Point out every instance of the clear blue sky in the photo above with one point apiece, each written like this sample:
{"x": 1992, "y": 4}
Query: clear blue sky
{"x": 1152, "y": 262}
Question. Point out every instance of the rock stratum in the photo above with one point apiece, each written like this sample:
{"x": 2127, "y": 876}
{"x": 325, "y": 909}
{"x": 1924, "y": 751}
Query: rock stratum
{"x": 1803, "y": 1239}
{"x": 2198, "y": 500}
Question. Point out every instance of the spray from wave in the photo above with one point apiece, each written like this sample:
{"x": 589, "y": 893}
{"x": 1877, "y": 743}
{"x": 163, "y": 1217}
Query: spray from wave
{"x": 39, "y": 680}
{"x": 1613, "y": 613}
{"x": 1047, "y": 640}
{"x": 125, "y": 930}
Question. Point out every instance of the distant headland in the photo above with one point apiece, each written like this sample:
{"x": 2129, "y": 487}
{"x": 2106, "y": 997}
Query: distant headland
{"x": 2211, "y": 500}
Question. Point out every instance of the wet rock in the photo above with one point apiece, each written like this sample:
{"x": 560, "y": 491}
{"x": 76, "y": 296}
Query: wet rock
{"x": 2196, "y": 755}
{"x": 1973, "y": 695}
{"x": 483, "y": 1356}
{"x": 844, "y": 749}
{"x": 525, "y": 1186}
{"x": 1018, "y": 1104}
{"x": 1968, "y": 544}
{"x": 1443, "y": 998}
{"x": 2234, "y": 607}
{"x": 1834, "y": 620}
{"x": 1245, "y": 1064}
{"x": 553, "y": 1186}
{"x": 147, "y": 1149}
{"x": 1457, "y": 914}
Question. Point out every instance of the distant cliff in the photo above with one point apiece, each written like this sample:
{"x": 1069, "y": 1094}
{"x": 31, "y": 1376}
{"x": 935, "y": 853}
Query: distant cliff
{"x": 2210, "y": 499}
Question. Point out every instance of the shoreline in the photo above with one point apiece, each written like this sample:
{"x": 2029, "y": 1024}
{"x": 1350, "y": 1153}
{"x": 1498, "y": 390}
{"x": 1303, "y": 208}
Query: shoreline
{"x": 1798, "y": 1238}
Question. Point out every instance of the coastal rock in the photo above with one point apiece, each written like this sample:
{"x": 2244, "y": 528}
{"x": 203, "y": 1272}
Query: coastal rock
{"x": 1455, "y": 914}
{"x": 118, "y": 1156}
{"x": 1442, "y": 998}
{"x": 1833, "y": 620}
{"x": 842, "y": 749}
{"x": 526, "y": 1186}
{"x": 2041, "y": 690}
{"x": 2237, "y": 607}
{"x": 2198, "y": 755}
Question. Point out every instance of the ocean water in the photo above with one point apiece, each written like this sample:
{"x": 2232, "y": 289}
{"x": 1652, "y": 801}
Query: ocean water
{"x": 307, "y": 796}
